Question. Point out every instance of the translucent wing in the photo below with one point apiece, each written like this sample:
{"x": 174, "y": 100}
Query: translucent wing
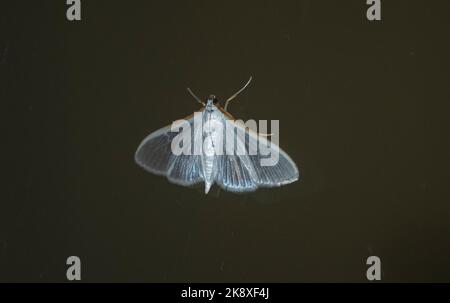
{"x": 283, "y": 172}
{"x": 245, "y": 172}
{"x": 235, "y": 173}
{"x": 155, "y": 155}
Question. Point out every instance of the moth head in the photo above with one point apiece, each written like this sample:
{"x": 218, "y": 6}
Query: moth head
{"x": 212, "y": 100}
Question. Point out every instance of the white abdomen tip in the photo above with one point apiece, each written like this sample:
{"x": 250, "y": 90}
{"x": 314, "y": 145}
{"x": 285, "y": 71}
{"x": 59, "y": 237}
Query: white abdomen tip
{"x": 207, "y": 187}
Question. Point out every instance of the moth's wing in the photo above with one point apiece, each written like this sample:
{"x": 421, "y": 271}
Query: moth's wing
{"x": 235, "y": 173}
{"x": 155, "y": 155}
{"x": 244, "y": 172}
{"x": 284, "y": 170}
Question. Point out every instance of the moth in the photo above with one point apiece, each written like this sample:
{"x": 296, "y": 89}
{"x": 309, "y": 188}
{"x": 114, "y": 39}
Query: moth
{"x": 234, "y": 172}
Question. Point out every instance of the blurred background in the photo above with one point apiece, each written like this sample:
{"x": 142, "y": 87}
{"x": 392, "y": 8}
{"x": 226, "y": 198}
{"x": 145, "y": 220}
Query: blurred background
{"x": 359, "y": 105}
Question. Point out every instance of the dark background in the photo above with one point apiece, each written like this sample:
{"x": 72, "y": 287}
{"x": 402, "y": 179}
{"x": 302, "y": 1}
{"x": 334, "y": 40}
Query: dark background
{"x": 359, "y": 104}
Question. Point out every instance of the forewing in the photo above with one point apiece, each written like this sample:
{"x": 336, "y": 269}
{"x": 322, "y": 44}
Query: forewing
{"x": 243, "y": 172}
{"x": 284, "y": 171}
{"x": 155, "y": 155}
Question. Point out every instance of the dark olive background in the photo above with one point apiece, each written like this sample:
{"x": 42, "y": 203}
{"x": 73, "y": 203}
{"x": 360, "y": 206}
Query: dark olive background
{"x": 359, "y": 103}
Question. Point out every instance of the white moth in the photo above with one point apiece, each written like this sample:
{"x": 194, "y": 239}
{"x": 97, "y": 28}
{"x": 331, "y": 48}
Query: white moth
{"x": 235, "y": 172}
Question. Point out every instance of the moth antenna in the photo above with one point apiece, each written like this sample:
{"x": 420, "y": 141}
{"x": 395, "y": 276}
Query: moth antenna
{"x": 195, "y": 97}
{"x": 238, "y": 92}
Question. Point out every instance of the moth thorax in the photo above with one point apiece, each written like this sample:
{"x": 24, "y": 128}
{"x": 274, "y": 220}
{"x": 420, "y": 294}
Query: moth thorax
{"x": 212, "y": 125}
